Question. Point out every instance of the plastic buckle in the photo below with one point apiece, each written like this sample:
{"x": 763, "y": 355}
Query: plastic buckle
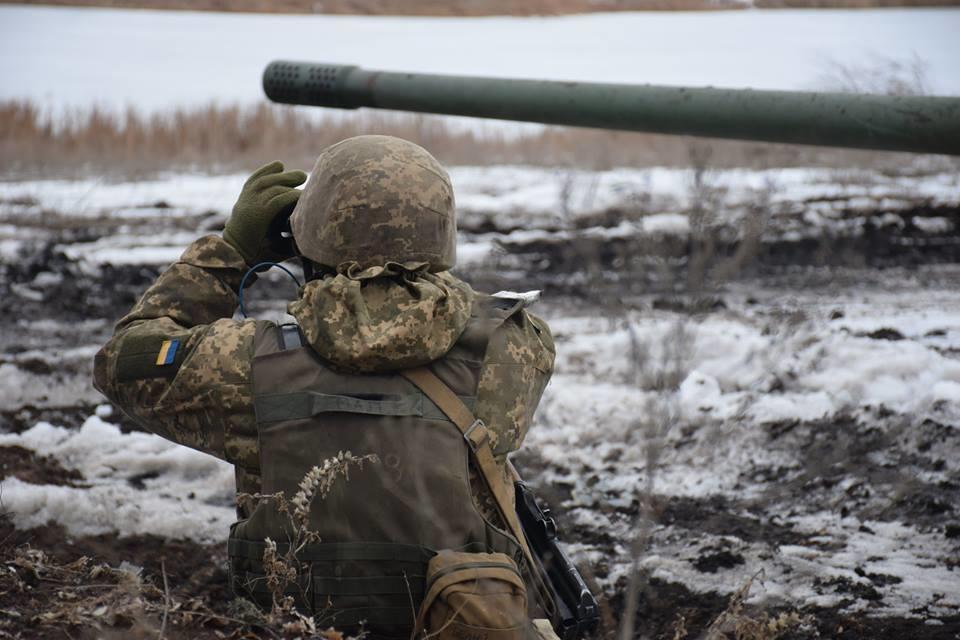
{"x": 475, "y": 444}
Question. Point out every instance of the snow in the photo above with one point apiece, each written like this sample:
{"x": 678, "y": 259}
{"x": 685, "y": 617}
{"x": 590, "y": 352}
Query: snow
{"x": 743, "y": 373}
{"x": 934, "y": 224}
{"x": 732, "y": 363}
{"x": 161, "y": 256}
{"x": 477, "y": 252}
{"x": 889, "y": 549}
{"x": 185, "y": 494}
{"x": 917, "y": 324}
{"x": 159, "y": 60}
{"x": 859, "y": 371}
{"x": 530, "y": 200}
{"x": 183, "y": 192}
{"x": 792, "y": 406}
{"x": 701, "y": 404}
{"x": 20, "y": 387}
{"x": 9, "y": 249}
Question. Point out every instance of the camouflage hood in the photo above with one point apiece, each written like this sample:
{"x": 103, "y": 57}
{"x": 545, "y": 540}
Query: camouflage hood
{"x": 383, "y": 318}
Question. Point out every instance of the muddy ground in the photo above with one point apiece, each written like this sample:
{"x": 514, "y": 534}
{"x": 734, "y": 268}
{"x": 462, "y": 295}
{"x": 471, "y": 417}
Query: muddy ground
{"x": 54, "y": 311}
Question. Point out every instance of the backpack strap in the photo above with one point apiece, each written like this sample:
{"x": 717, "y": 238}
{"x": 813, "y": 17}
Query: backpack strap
{"x": 477, "y": 435}
{"x": 290, "y": 337}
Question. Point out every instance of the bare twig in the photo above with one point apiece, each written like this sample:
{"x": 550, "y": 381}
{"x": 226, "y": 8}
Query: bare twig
{"x": 413, "y": 607}
{"x": 166, "y": 600}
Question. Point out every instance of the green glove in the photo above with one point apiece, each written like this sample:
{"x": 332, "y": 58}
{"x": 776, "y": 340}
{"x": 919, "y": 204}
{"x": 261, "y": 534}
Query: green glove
{"x": 267, "y": 197}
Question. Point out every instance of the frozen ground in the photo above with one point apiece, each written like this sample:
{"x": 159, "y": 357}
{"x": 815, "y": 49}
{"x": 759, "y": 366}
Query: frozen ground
{"x": 60, "y": 57}
{"x": 809, "y": 427}
{"x": 505, "y": 206}
{"x": 797, "y": 421}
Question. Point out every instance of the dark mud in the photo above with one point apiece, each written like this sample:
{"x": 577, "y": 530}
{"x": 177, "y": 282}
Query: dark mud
{"x": 840, "y": 469}
{"x": 197, "y": 570}
{"x": 20, "y": 419}
{"x": 42, "y": 596}
{"x": 716, "y": 515}
{"x": 196, "y": 573}
{"x": 579, "y": 262}
{"x": 75, "y": 293}
{"x": 28, "y": 466}
{"x": 662, "y": 605}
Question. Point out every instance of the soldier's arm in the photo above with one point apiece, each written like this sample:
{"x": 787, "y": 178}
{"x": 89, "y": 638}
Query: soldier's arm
{"x": 516, "y": 369}
{"x": 179, "y": 365}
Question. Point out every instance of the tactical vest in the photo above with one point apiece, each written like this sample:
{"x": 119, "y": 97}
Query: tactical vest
{"x": 379, "y": 528}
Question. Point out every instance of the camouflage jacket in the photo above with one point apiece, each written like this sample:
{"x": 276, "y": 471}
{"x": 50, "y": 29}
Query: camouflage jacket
{"x": 180, "y": 365}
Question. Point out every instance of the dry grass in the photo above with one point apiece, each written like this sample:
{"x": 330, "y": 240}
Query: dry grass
{"x": 53, "y": 597}
{"x": 225, "y": 138}
{"x": 474, "y": 7}
{"x": 45, "y": 598}
{"x": 735, "y": 624}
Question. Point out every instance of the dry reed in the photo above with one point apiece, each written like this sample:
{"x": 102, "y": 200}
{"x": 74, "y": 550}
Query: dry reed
{"x": 218, "y": 138}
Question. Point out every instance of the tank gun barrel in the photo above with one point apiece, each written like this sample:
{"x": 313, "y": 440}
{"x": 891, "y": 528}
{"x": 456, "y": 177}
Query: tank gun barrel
{"x": 920, "y": 124}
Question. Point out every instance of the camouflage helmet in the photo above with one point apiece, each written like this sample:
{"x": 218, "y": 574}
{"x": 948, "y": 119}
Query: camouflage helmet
{"x": 373, "y": 200}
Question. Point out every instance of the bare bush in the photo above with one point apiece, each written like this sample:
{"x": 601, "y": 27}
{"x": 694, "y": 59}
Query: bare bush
{"x": 880, "y": 75}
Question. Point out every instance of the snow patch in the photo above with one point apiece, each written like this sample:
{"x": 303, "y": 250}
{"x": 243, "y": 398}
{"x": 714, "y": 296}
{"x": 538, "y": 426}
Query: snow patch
{"x": 139, "y": 484}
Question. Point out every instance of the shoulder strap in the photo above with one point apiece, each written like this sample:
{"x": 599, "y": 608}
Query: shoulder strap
{"x": 290, "y": 337}
{"x": 478, "y": 440}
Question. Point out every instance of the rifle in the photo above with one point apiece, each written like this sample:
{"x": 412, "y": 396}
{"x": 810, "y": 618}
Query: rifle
{"x": 577, "y": 612}
{"x": 574, "y": 611}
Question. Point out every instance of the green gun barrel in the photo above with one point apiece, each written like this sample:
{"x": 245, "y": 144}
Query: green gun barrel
{"x": 921, "y": 124}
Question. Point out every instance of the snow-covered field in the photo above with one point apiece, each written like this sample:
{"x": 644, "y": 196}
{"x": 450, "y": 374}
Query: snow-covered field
{"x": 797, "y": 423}
{"x": 761, "y": 393}
{"x": 60, "y": 57}
{"x": 499, "y": 206}
{"x": 758, "y": 372}
{"x": 765, "y": 390}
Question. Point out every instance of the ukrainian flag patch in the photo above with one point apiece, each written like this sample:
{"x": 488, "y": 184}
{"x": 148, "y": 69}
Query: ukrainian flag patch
{"x": 168, "y": 350}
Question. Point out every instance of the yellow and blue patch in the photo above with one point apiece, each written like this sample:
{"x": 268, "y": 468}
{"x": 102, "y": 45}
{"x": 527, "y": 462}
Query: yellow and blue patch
{"x": 168, "y": 351}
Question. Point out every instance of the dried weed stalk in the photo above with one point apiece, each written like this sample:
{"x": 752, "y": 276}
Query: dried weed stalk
{"x": 285, "y": 570}
{"x": 662, "y": 368}
{"x": 734, "y": 624}
{"x": 660, "y": 416}
{"x": 51, "y": 597}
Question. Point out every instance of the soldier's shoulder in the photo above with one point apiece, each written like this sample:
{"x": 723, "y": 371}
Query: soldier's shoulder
{"x": 504, "y": 303}
{"x": 517, "y": 365}
{"x": 515, "y": 309}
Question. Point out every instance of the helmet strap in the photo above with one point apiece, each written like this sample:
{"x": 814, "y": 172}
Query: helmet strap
{"x": 309, "y": 270}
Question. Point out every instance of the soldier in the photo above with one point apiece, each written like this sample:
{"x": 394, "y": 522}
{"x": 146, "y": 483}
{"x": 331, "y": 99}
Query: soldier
{"x": 391, "y": 356}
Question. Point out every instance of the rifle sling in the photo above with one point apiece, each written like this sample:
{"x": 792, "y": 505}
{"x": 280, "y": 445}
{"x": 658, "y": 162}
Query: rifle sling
{"x": 476, "y": 434}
